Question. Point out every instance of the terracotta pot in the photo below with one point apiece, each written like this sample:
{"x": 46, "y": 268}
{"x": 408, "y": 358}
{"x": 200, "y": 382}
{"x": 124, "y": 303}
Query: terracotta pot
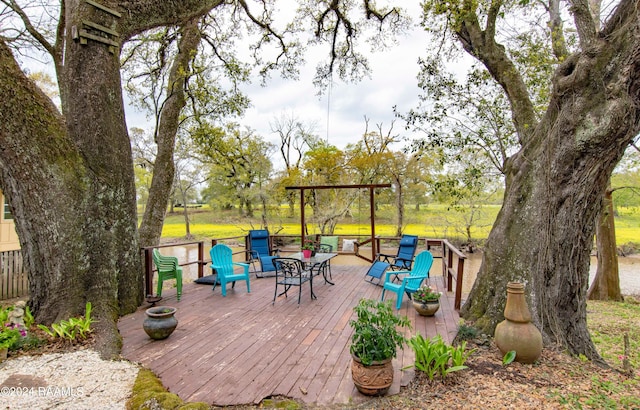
{"x": 372, "y": 380}
{"x": 517, "y": 332}
{"x": 426, "y": 308}
{"x": 160, "y": 322}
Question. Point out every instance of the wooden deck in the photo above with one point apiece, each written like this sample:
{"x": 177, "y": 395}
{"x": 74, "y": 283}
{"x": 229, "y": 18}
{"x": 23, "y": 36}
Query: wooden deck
{"x": 240, "y": 349}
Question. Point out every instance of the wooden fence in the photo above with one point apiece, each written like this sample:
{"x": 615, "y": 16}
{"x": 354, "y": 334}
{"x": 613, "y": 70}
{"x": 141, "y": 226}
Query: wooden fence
{"x": 13, "y": 277}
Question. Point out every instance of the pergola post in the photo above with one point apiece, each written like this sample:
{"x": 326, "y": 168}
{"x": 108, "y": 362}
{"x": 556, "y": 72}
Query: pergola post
{"x": 371, "y": 188}
{"x": 372, "y": 213}
{"x": 302, "y": 221}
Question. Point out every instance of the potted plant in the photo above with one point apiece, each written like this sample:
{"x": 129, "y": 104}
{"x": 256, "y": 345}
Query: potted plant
{"x": 307, "y": 249}
{"x": 374, "y": 343}
{"x": 426, "y": 300}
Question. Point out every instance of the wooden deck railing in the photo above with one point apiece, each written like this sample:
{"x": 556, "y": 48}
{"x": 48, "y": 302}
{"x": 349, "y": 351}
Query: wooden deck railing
{"x": 147, "y": 260}
{"x": 452, "y": 258}
{"x": 451, "y": 254}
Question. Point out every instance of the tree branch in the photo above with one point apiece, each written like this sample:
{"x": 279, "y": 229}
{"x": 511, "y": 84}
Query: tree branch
{"x": 584, "y": 22}
{"x": 482, "y": 45}
{"x": 558, "y": 42}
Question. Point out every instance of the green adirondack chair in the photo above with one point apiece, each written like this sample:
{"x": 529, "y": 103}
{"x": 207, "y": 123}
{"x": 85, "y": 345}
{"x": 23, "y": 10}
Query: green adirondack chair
{"x": 168, "y": 268}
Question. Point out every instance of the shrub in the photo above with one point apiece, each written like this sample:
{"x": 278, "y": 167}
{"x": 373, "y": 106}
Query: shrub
{"x": 72, "y": 329}
{"x": 434, "y": 356}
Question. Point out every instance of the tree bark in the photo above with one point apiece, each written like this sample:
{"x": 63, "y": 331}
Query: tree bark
{"x": 71, "y": 179}
{"x": 606, "y": 284}
{"x": 74, "y": 213}
{"x": 543, "y": 234}
{"x": 164, "y": 167}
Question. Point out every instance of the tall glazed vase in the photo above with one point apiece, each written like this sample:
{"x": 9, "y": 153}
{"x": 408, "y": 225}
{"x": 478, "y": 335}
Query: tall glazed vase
{"x": 517, "y": 332}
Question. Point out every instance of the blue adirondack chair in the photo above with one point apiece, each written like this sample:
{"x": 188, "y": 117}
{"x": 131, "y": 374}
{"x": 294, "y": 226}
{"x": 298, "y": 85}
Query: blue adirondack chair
{"x": 403, "y": 259}
{"x": 411, "y": 280}
{"x": 260, "y": 249}
{"x": 168, "y": 268}
{"x": 222, "y": 262}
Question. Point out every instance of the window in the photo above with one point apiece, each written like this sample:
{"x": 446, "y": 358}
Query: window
{"x": 6, "y": 215}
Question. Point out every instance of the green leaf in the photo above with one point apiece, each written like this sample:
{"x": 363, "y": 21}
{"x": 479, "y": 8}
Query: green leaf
{"x": 509, "y": 357}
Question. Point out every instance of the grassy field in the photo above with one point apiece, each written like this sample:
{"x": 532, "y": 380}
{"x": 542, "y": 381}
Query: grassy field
{"x": 435, "y": 221}
{"x": 608, "y": 323}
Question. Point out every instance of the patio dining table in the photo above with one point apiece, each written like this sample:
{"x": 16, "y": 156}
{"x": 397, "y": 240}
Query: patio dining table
{"x": 316, "y": 262}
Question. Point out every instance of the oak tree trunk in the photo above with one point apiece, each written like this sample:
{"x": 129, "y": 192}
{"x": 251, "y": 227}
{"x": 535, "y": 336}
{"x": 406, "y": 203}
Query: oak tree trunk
{"x": 72, "y": 192}
{"x": 70, "y": 179}
{"x": 164, "y": 167}
{"x": 606, "y": 284}
{"x": 543, "y": 234}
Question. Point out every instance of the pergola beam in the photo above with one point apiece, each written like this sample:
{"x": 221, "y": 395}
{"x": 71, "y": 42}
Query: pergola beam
{"x": 371, "y": 188}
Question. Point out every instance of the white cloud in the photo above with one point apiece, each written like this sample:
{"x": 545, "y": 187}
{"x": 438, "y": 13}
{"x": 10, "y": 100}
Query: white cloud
{"x": 340, "y": 114}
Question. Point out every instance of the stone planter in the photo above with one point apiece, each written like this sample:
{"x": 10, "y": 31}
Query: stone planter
{"x": 4, "y": 351}
{"x": 160, "y": 322}
{"x": 372, "y": 380}
{"x": 517, "y": 332}
{"x": 426, "y": 308}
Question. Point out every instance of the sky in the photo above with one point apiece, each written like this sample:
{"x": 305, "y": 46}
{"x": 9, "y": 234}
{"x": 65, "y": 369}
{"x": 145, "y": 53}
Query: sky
{"x": 338, "y": 115}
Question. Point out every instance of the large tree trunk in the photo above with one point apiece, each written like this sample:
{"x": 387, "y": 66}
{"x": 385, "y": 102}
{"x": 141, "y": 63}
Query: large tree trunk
{"x": 164, "y": 167}
{"x": 95, "y": 122}
{"x": 70, "y": 179}
{"x": 606, "y": 284}
{"x": 543, "y": 234}
{"x": 72, "y": 193}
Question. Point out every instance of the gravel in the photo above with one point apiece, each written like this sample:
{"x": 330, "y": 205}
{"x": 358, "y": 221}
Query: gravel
{"x": 73, "y": 380}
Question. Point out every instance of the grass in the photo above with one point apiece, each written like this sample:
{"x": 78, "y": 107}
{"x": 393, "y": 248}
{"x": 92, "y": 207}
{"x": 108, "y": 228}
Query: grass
{"x": 608, "y": 322}
{"x": 435, "y": 221}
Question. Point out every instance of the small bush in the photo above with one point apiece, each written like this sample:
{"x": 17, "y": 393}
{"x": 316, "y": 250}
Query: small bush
{"x": 434, "y": 356}
{"x": 72, "y": 329}
{"x": 466, "y": 332}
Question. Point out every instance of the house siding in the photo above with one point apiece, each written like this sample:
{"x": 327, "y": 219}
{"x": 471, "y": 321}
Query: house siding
{"x": 8, "y": 236}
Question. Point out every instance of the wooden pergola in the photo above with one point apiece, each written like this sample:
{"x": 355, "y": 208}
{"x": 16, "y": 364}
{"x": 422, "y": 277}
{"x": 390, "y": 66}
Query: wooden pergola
{"x": 371, "y": 188}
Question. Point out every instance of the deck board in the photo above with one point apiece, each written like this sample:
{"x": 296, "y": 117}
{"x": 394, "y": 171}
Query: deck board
{"x": 242, "y": 348}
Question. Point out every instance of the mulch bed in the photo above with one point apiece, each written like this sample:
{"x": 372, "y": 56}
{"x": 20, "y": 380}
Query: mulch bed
{"x": 555, "y": 381}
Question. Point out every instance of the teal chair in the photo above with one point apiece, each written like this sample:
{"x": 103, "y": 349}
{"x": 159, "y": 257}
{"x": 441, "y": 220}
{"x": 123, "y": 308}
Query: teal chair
{"x": 411, "y": 280}
{"x": 222, "y": 262}
{"x": 168, "y": 268}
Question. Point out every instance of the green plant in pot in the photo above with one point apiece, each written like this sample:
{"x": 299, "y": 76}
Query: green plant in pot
{"x": 426, "y": 300}
{"x": 308, "y": 248}
{"x": 376, "y": 338}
